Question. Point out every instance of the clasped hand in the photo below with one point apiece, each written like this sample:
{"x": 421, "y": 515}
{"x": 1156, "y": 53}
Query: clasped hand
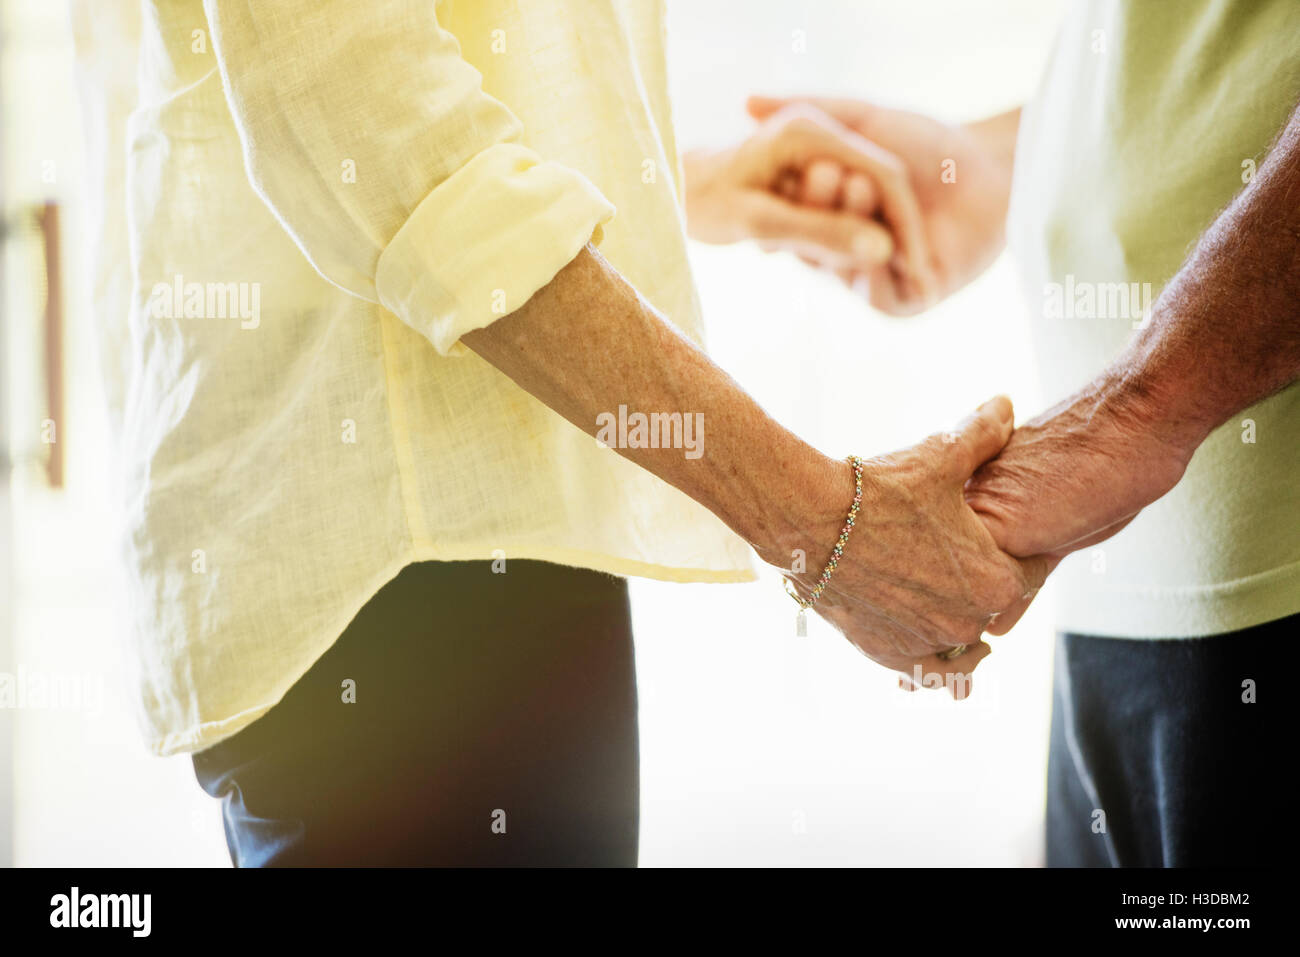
{"x": 921, "y": 573}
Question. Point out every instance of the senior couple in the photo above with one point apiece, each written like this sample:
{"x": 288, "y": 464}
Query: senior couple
{"x": 406, "y": 639}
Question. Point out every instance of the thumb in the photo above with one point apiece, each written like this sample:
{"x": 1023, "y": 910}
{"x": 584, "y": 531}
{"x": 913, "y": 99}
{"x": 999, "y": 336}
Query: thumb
{"x": 835, "y": 239}
{"x": 761, "y": 107}
{"x": 981, "y": 436}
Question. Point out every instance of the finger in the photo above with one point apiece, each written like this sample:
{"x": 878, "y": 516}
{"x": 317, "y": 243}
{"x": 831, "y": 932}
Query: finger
{"x": 823, "y": 182}
{"x": 914, "y": 296}
{"x": 788, "y": 184}
{"x": 954, "y": 674}
{"x": 1005, "y": 620}
{"x": 891, "y": 293}
{"x": 761, "y": 107}
{"x": 887, "y": 292}
{"x": 980, "y": 437}
{"x": 1035, "y": 570}
{"x": 834, "y": 239}
{"x": 882, "y": 291}
{"x": 859, "y": 195}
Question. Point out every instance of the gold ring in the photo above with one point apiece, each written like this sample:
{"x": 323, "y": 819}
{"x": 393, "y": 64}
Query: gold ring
{"x": 954, "y": 652}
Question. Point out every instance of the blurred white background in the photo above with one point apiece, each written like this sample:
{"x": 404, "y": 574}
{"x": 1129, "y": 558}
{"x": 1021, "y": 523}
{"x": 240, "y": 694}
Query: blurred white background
{"x": 758, "y": 748}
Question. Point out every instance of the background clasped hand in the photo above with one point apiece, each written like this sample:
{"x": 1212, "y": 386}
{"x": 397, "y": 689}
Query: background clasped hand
{"x": 921, "y": 573}
{"x": 864, "y": 217}
{"x": 958, "y": 177}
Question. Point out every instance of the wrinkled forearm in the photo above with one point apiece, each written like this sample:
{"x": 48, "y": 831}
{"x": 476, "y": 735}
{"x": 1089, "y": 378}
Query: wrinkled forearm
{"x": 587, "y": 343}
{"x": 1225, "y": 332}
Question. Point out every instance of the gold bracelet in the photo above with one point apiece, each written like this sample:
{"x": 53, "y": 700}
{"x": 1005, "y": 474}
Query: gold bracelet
{"x": 801, "y": 619}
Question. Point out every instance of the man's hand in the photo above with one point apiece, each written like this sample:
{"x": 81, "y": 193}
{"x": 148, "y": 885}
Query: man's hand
{"x": 1076, "y": 475}
{"x": 745, "y": 193}
{"x": 960, "y": 174}
{"x": 920, "y": 573}
{"x": 1079, "y": 472}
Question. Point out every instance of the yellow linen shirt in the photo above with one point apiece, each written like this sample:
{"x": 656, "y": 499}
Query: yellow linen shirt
{"x": 323, "y": 197}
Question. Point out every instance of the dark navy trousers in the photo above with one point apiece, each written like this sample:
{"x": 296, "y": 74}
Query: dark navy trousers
{"x": 1171, "y": 753}
{"x": 494, "y": 723}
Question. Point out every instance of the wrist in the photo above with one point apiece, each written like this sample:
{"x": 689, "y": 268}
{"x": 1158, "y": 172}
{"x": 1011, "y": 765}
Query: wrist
{"x": 991, "y": 148}
{"x": 804, "y": 516}
{"x": 997, "y": 136}
{"x": 1148, "y": 388}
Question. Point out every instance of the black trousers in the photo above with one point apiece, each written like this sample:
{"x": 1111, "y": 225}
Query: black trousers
{"x": 494, "y": 723}
{"x": 1170, "y": 753}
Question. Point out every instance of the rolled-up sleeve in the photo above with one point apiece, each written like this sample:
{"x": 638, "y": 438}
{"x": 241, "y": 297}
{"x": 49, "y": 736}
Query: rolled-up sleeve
{"x": 372, "y": 141}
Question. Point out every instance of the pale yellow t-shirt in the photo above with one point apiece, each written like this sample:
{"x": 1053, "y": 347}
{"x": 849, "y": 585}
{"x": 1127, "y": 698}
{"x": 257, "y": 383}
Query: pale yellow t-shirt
{"x": 321, "y": 200}
{"x": 1150, "y": 118}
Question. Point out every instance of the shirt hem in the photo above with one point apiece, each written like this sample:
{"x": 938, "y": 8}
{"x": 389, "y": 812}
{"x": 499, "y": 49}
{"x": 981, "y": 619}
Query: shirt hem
{"x": 209, "y": 733}
{"x": 1193, "y": 611}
